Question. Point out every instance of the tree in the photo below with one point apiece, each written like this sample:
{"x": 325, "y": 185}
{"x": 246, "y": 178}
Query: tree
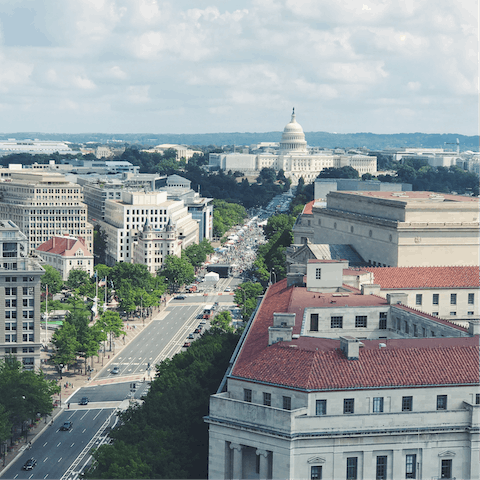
{"x": 246, "y": 296}
{"x": 77, "y": 278}
{"x": 344, "y": 172}
{"x": 52, "y": 278}
{"x": 99, "y": 245}
{"x": 278, "y": 223}
{"x": 177, "y": 271}
{"x": 66, "y": 345}
{"x": 195, "y": 254}
{"x": 111, "y": 323}
{"x": 223, "y": 321}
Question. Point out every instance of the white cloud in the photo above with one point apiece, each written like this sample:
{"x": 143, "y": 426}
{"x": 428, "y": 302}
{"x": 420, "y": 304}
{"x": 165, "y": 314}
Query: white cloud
{"x": 243, "y": 63}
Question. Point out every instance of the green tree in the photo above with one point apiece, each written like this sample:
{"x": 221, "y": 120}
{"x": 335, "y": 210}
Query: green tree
{"x": 111, "y": 323}
{"x": 177, "y": 271}
{"x": 223, "y": 321}
{"x": 52, "y": 278}
{"x": 66, "y": 345}
{"x": 99, "y": 245}
{"x": 5, "y": 424}
{"x": 246, "y": 296}
{"x": 77, "y": 279}
{"x": 195, "y": 254}
{"x": 343, "y": 172}
{"x": 278, "y": 223}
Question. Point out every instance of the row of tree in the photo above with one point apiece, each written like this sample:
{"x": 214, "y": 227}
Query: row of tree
{"x": 225, "y": 216}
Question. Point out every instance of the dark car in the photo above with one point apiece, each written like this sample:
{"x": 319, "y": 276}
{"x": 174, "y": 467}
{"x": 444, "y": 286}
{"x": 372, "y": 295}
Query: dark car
{"x": 197, "y": 330}
{"x": 66, "y": 426}
{"x": 180, "y": 297}
{"x": 191, "y": 336}
{"x": 83, "y": 401}
{"x": 186, "y": 344}
{"x": 30, "y": 464}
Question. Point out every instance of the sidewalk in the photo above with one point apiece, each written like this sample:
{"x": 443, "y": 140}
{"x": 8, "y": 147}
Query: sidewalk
{"x": 73, "y": 380}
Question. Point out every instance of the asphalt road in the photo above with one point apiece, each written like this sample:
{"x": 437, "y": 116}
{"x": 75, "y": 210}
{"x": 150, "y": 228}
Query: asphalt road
{"x": 115, "y": 392}
{"x": 56, "y": 451}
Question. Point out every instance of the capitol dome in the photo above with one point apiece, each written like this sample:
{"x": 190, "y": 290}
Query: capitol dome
{"x": 293, "y": 138}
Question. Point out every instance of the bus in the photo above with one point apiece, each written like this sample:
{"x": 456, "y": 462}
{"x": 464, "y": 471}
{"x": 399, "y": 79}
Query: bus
{"x": 207, "y": 311}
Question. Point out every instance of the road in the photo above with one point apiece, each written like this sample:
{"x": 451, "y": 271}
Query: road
{"x": 56, "y": 451}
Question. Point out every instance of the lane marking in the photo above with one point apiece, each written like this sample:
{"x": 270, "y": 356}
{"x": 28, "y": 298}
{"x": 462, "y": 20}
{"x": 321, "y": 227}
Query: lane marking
{"x": 59, "y": 444}
{"x": 45, "y": 459}
{"x": 72, "y": 444}
{"x": 46, "y": 476}
{"x": 44, "y": 444}
{"x": 59, "y": 459}
{"x": 84, "y": 430}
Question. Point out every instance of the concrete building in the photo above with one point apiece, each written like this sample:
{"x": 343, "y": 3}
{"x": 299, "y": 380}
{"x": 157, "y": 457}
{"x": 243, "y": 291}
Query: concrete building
{"x": 293, "y": 157}
{"x": 66, "y": 253}
{"x": 397, "y": 229}
{"x": 7, "y": 147}
{"x": 329, "y": 382}
{"x": 182, "y": 151}
{"x": 20, "y": 296}
{"x": 447, "y": 292}
{"x": 44, "y": 205}
{"x": 125, "y": 218}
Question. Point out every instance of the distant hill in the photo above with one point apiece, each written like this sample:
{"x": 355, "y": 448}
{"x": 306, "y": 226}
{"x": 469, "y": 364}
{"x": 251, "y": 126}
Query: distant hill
{"x": 371, "y": 141}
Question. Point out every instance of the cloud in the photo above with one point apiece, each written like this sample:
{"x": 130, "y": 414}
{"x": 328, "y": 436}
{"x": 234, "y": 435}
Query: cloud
{"x": 206, "y": 66}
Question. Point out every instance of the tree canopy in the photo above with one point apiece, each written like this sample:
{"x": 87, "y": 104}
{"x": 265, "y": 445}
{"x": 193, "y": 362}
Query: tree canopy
{"x": 246, "y": 296}
{"x": 226, "y": 215}
{"x": 177, "y": 271}
{"x": 52, "y": 278}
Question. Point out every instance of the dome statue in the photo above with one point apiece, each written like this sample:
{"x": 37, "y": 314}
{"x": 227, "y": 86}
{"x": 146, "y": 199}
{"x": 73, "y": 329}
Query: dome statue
{"x": 293, "y": 138}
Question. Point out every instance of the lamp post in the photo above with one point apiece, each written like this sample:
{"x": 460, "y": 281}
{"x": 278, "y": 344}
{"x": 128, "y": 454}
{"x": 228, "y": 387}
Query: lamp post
{"x": 61, "y": 369}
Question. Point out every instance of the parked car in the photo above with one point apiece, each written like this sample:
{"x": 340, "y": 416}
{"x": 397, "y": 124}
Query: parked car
{"x": 186, "y": 344}
{"x": 197, "y": 330}
{"x": 180, "y": 297}
{"x": 228, "y": 289}
{"x": 83, "y": 401}
{"x": 66, "y": 426}
{"x": 29, "y": 464}
{"x": 115, "y": 370}
{"x": 191, "y": 336}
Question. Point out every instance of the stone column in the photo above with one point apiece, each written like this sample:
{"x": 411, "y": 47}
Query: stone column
{"x": 263, "y": 473}
{"x": 236, "y": 461}
{"x": 398, "y": 465}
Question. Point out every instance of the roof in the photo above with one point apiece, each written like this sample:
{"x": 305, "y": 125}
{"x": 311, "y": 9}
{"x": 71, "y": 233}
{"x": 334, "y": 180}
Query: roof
{"x": 307, "y": 209}
{"x": 63, "y": 246}
{"x": 313, "y": 363}
{"x": 406, "y": 196}
{"x": 426, "y": 277}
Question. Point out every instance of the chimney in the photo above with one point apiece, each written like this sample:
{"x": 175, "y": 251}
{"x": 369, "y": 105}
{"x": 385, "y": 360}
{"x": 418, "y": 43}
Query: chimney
{"x": 370, "y": 289}
{"x": 350, "y": 347}
{"x": 396, "y": 298}
{"x": 474, "y": 327}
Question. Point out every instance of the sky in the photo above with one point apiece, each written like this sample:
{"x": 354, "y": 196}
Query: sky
{"x": 206, "y": 66}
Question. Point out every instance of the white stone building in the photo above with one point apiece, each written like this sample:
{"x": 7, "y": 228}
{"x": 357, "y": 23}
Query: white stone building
{"x": 397, "y": 229}
{"x": 125, "y": 218}
{"x": 66, "y": 253}
{"x": 330, "y": 383}
{"x": 44, "y": 204}
{"x": 20, "y": 297}
{"x": 294, "y": 157}
{"x": 182, "y": 150}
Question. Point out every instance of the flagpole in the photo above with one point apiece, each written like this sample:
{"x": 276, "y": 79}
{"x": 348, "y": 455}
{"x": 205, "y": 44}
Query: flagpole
{"x": 46, "y": 316}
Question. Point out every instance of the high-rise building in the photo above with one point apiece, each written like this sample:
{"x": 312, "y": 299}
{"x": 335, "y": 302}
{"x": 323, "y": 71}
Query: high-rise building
{"x": 43, "y": 205}
{"x": 19, "y": 298}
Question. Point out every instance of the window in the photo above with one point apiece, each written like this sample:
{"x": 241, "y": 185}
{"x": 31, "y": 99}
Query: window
{"x": 381, "y": 467}
{"x": 477, "y": 399}
{"x": 361, "y": 321}
{"x": 446, "y": 469}
{"x": 316, "y": 472}
{"x": 318, "y": 274}
{"x": 287, "y": 403}
{"x": 453, "y": 299}
{"x": 415, "y": 331}
{"x": 424, "y": 332}
{"x": 348, "y": 405}
{"x": 247, "y": 395}
{"x": 410, "y": 466}
{"x": 441, "y": 402}
{"x": 382, "y": 324}
{"x": 321, "y": 407}
{"x": 336, "y": 322}
{"x": 314, "y": 322}
{"x": 471, "y": 298}
{"x": 267, "y": 399}
{"x": 407, "y": 404}
{"x": 377, "y": 404}
{"x": 352, "y": 463}
{"x": 418, "y": 299}
{"x": 406, "y": 327}
{"x": 435, "y": 299}
{"x": 453, "y": 314}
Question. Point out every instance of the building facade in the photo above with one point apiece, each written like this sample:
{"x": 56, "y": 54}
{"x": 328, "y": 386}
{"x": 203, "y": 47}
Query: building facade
{"x": 43, "y": 205}
{"x": 20, "y": 297}
{"x": 293, "y": 157}
{"x": 332, "y": 383}
{"x": 398, "y": 229}
{"x": 66, "y": 253}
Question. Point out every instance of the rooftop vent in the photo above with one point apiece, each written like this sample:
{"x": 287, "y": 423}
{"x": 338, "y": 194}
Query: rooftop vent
{"x": 382, "y": 345}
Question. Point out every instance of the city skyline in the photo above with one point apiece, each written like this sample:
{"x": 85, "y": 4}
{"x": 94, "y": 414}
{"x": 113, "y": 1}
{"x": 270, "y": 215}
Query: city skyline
{"x": 124, "y": 66}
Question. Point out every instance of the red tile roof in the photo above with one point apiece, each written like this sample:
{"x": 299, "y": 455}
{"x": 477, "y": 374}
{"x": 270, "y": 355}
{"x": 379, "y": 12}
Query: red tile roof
{"x": 425, "y": 277}
{"x": 62, "y": 245}
{"x": 307, "y": 209}
{"x": 317, "y": 363}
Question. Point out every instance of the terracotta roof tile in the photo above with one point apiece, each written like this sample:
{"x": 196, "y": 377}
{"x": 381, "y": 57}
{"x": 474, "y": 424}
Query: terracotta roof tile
{"x": 307, "y": 209}
{"x": 426, "y": 277}
{"x": 62, "y": 245}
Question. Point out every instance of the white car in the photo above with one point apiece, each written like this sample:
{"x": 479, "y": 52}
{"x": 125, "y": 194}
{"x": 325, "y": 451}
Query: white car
{"x": 228, "y": 289}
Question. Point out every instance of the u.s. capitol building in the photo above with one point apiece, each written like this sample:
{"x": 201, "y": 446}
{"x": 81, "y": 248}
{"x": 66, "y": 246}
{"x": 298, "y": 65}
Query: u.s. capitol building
{"x": 293, "y": 157}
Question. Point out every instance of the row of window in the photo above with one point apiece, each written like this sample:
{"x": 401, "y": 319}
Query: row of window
{"x": 337, "y": 321}
{"x": 411, "y": 468}
{"x": 436, "y": 299}
{"x": 13, "y": 326}
{"x": 9, "y": 350}
{"x": 148, "y": 212}
{"x": 267, "y": 399}
{"x": 12, "y": 337}
{"x": 24, "y": 279}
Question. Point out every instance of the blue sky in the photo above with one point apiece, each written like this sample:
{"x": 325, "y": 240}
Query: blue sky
{"x": 207, "y": 66}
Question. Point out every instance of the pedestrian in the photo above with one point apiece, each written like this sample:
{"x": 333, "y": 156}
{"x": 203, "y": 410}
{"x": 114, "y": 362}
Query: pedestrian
{"x": 68, "y": 405}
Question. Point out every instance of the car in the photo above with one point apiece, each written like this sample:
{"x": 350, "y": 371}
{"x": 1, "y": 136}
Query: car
{"x": 186, "y": 344}
{"x": 197, "y": 330}
{"x": 203, "y": 322}
{"x": 66, "y": 426}
{"x": 115, "y": 370}
{"x": 180, "y": 297}
{"x": 191, "y": 336}
{"x": 200, "y": 315}
{"x": 228, "y": 289}
{"x": 29, "y": 464}
{"x": 83, "y": 401}
{"x": 199, "y": 326}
